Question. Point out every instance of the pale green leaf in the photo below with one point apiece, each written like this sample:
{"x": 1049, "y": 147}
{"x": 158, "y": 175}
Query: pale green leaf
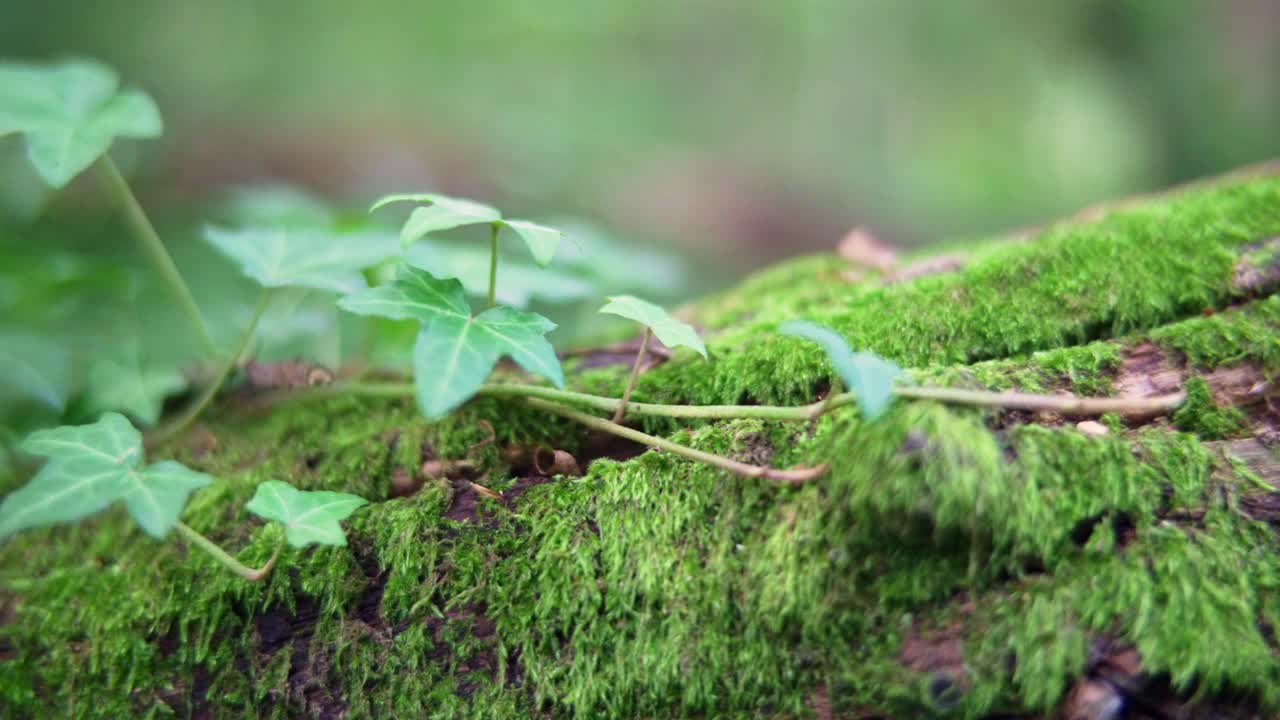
{"x": 672, "y": 332}
{"x": 309, "y": 517}
{"x": 158, "y": 493}
{"x": 456, "y": 352}
{"x": 519, "y": 282}
{"x": 121, "y": 381}
{"x": 413, "y": 295}
{"x": 71, "y": 113}
{"x": 35, "y": 367}
{"x": 869, "y": 376}
{"x": 439, "y": 212}
{"x": 453, "y": 356}
{"x": 541, "y": 240}
{"x": 304, "y": 257}
{"x": 88, "y": 468}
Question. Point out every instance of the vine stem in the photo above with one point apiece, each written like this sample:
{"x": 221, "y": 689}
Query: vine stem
{"x": 1067, "y": 405}
{"x": 223, "y": 557}
{"x": 211, "y": 391}
{"x": 794, "y": 476}
{"x": 635, "y": 373}
{"x": 149, "y": 240}
{"x": 493, "y": 266}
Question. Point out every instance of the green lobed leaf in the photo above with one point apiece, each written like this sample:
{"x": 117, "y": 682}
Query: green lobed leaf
{"x": 35, "y": 367}
{"x": 414, "y": 295}
{"x": 869, "y": 376}
{"x": 121, "y": 381}
{"x": 309, "y": 517}
{"x": 519, "y": 282}
{"x": 304, "y": 257}
{"x": 541, "y": 240}
{"x": 91, "y": 466}
{"x": 71, "y": 113}
{"x": 455, "y": 352}
{"x": 672, "y": 332}
{"x": 441, "y": 212}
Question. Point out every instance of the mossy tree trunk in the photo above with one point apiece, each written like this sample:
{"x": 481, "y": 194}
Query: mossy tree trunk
{"x": 953, "y": 560}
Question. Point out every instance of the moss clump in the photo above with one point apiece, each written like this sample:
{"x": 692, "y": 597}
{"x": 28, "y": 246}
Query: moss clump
{"x": 1248, "y": 334}
{"x": 657, "y": 587}
{"x": 1199, "y": 414}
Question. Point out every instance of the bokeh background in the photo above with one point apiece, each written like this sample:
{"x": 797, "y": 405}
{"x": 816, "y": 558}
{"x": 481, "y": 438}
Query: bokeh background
{"x": 737, "y": 131}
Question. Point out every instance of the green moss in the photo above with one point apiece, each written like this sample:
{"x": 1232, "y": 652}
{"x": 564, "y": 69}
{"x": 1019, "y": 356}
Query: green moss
{"x": 1130, "y": 272}
{"x": 1201, "y": 415}
{"x": 1165, "y": 593}
{"x": 1249, "y": 334}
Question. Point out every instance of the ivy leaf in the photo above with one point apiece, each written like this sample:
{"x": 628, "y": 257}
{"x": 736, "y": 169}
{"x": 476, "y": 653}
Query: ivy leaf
{"x": 309, "y": 517}
{"x": 413, "y": 295}
{"x": 303, "y": 257}
{"x": 541, "y": 240}
{"x": 456, "y": 352}
{"x": 70, "y": 113}
{"x": 92, "y": 466}
{"x": 123, "y": 382}
{"x": 669, "y": 330}
{"x": 442, "y": 212}
{"x": 35, "y": 367}
{"x": 519, "y": 282}
{"x": 869, "y": 376}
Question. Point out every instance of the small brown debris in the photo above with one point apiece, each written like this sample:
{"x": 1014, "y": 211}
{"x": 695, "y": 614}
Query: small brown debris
{"x": 819, "y": 703}
{"x": 861, "y": 247}
{"x": 1092, "y": 428}
{"x": 286, "y": 374}
{"x": 939, "y": 653}
{"x": 201, "y": 442}
{"x": 445, "y": 468}
{"x": 484, "y": 491}
{"x": 557, "y": 462}
{"x": 929, "y": 266}
{"x": 853, "y": 277}
{"x": 1093, "y": 700}
{"x": 403, "y": 484}
{"x": 1145, "y": 372}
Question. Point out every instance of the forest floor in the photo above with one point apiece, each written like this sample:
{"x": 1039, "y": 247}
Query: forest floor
{"x": 953, "y": 562}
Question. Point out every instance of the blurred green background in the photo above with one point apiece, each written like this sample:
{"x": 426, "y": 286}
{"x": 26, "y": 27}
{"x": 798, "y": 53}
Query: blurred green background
{"x": 738, "y": 130}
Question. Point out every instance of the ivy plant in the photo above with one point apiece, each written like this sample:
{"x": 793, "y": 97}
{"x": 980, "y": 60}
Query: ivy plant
{"x": 519, "y": 282}
{"x": 441, "y": 212}
{"x": 70, "y": 113}
{"x": 120, "y": 379}
{"x": 308, "y": 517}
{"x": 869, "y": 376}
{"x": 91, "y": 467}
{"x": 456, "y": 351}
{"x": 656, "y": 321}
